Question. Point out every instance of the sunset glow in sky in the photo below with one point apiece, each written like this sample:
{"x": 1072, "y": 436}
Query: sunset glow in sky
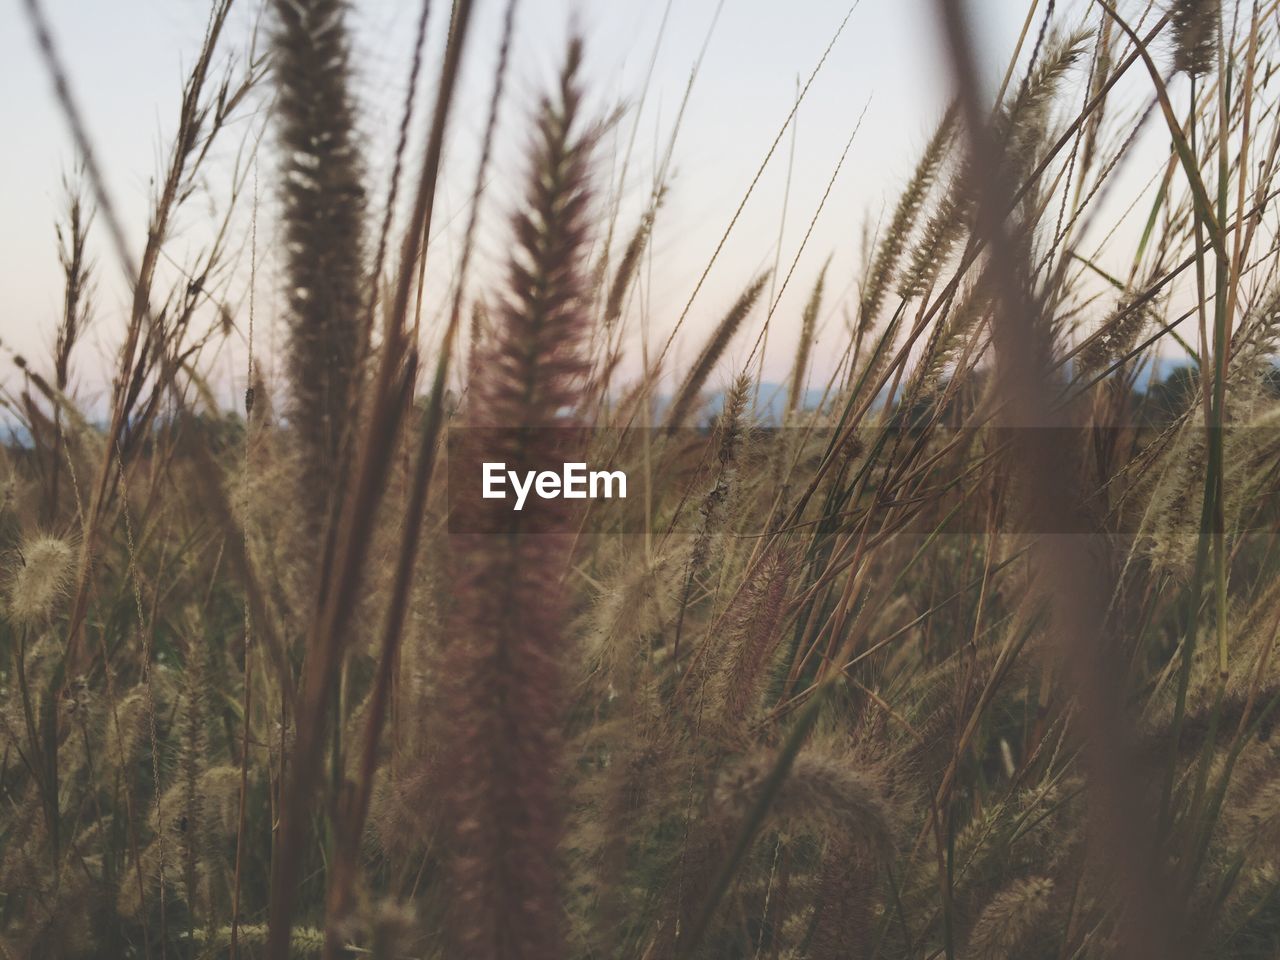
{"x": 126, "y": 60}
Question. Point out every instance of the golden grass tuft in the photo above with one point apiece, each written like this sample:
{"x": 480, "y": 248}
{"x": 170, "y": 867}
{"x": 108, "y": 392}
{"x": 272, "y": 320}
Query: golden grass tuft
{"x": 41, "y": 578}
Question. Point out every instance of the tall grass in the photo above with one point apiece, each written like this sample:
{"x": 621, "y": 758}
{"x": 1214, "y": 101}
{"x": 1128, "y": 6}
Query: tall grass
{"x": 973, "y": 657}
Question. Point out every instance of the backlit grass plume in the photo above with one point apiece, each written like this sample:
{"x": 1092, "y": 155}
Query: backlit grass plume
{"x": 686, "y": 397}
{"x": 625, "y": 275}
{"x": 1020, "y": 126}
{"x": 1023, "y": 122}
{"x": 1195, "y": 35}
{"x": 712, "y": 510}
{"x": 323, "y": 211}
{"x": 822, "y": 792}
{"x": 504, "y": 661}
{"x": 913, "y": 198}
{"x": 1009, "y": 921}
{"x": 808, "y": 325}
{"x": 41, "y": 576}
{"x": 753, "y": 636}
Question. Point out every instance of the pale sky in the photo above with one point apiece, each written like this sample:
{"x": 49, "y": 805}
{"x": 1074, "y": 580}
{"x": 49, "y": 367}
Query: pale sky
{"x": 126, "y": 59}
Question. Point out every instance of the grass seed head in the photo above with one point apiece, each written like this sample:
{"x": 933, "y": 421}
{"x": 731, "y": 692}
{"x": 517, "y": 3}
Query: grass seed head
{"x": 41, "y": 579}
{"x": 1195, "y": 31}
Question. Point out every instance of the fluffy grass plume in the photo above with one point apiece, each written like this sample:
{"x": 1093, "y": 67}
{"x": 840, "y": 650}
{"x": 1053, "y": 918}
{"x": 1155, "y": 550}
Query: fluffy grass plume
{"x": 1010, "y": 919}
{"x": 41, "y": 576}
{"x": 686, "y": 398}
{"x": 505, "y": 662}
{"x": 898, "y": 233}
{"x": 323, "y": 213}
{"x": 1195, "y": 35}
{"x": 808, "y": 328}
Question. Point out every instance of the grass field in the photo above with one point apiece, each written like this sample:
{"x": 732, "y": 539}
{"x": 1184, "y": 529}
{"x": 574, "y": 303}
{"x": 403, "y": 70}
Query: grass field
{"x": 965, "y": 649}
